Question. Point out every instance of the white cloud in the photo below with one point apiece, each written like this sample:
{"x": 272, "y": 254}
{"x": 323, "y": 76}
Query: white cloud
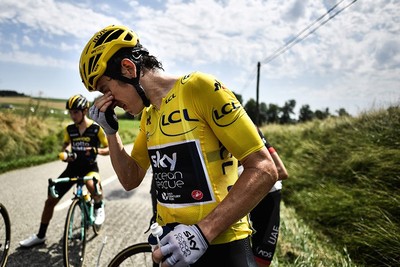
{"x": 35, "y": 59}
{"x": 228, "y": 38}
{"x": 27, "y": 41}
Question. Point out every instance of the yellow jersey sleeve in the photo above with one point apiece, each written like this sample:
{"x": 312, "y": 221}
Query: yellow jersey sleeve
{"x": 225, "y": 115}
{"x": 139, "y": 151}
{"x": 66, "y": 138}
{"x": 102, "y": 137}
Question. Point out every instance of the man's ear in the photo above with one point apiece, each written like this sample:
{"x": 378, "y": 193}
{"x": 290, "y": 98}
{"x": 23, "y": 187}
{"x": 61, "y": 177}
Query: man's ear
{"x": 128, "y": 68}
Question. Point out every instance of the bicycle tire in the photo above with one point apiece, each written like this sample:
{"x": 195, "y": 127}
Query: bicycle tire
{"x": 96, "y": 229}
{"x": 136, "y": 255}
{"x": 5, "y": 235}
{"x": 74, "y": 240}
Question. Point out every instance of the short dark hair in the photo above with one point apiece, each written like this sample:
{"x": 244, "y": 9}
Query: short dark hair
{"x": 137, "y": 54}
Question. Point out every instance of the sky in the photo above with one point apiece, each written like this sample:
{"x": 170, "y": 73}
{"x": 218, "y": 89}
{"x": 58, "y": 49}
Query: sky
{"x": 346, "y": 58}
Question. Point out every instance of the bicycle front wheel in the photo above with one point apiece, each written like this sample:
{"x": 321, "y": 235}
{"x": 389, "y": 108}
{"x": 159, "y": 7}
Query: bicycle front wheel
{"x": 5, "y": 235}
{"x": 74, "y": 235}
{"x": 135, "y": 255}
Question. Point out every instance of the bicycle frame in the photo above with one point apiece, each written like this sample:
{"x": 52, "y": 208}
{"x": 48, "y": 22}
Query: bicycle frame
{"x": 87, "y": 209}
{"x": 79, "y": 218}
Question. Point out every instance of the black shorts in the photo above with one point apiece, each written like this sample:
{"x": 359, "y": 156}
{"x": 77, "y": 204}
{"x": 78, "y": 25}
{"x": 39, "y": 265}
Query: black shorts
{"x": 233, "y": 254}
{"x": 73, "y": 171}
{"x": 265, "y": 218}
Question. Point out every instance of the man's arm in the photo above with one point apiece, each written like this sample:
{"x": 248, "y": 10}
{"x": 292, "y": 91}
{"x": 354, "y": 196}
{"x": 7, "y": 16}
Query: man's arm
{"x": 282, "y": 172}
{"x": 64, "y": 146}
{"x": 258, "y": 176}
{"x": 104, "y": 151}
{"x": 129, "y": 173}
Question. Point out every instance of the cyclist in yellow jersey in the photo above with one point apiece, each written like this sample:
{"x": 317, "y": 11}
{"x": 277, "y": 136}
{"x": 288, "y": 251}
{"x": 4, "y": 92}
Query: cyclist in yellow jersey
{"x": 86, "y": 139}
{"x": 192, "y": 133}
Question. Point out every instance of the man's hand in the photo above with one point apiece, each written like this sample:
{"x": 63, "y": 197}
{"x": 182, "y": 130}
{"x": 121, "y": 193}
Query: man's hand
{"x": 183, "y": 246}
{"x": 107, "y": 120}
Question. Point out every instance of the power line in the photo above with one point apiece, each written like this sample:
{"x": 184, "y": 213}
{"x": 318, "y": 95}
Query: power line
{"x": 300, "y": 37}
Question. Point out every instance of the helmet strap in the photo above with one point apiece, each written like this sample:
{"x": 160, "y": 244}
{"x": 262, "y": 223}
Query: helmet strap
{"x": 134, "y": 81}
{"x": 136, "y": 84}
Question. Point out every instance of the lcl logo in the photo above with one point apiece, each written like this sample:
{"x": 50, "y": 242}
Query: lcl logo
{"x": 225, "y": 110}
{"x": 176, "y": 116}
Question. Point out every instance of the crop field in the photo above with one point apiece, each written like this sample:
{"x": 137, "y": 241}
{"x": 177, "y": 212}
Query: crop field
{"x": 29, "y": 101}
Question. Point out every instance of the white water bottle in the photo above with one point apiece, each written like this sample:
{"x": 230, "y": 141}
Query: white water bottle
{"x": 157, "y": 231}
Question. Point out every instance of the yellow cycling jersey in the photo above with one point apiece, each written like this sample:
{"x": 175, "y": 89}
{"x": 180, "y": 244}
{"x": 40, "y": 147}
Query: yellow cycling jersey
{"x": 193, "y": 143}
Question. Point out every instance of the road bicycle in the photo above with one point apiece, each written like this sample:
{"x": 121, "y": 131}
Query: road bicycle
{"x": 139, "y": 254}
{"x": 79, "y": 219}
{"x": 5, "y": 235}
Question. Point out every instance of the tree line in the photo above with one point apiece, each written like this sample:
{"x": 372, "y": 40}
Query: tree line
{"x": 10, "y": 93}
{"x": 273, "y": 113}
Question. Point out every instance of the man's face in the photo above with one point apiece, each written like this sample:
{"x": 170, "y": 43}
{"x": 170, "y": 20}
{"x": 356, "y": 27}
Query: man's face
{"x": 124, "y": 95}
{"x": 76, "y": 115}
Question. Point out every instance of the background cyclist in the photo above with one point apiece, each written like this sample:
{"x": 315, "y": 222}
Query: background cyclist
{"x": 185, "y": 135}
{"x": 86, "y": 139}
{"x": 265, "y": 216}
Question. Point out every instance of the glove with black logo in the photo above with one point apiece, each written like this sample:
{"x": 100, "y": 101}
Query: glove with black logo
{"x": 107, "y": 120}
{"x": 184, "y": 245}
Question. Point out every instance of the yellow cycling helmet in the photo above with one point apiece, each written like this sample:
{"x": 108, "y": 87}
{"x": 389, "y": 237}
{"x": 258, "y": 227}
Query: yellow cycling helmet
{"x": 100, "y": 48}
{"x": 77, "y": 102}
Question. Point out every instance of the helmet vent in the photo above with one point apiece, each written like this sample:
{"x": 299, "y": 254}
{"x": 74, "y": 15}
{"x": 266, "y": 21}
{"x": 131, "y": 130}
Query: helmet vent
{"x": 91, "y": 79}
{"x": 90, "y": 67}
{"x": 102, "y": 39}
{"x": 114, "y": 36}
{"x": 128, "y": 37}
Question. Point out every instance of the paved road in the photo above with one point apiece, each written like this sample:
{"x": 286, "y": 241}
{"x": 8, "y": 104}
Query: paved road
{"x": 23, "y": 192}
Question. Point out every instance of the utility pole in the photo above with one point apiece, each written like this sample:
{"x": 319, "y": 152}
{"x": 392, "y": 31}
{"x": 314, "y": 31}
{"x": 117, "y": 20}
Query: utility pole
{"x": 258, "y": 89}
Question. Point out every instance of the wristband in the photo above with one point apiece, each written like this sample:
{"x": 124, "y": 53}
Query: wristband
{"x": 271, "y": 150}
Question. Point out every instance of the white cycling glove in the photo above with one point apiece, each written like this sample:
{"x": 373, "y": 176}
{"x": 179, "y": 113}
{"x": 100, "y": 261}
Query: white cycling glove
{"x": 107, "y": 120}
{"x": 184, "y": 245}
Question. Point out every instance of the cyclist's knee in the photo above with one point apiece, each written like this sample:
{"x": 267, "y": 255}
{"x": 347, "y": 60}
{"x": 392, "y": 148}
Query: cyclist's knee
{"x": 95, "y": 175}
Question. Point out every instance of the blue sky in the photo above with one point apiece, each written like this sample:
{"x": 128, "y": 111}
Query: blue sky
{"x": 351, "y": 62}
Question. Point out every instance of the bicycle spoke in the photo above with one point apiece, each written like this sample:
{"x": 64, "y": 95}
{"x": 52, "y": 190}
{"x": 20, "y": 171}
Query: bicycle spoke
{"x": 74, "y": 236}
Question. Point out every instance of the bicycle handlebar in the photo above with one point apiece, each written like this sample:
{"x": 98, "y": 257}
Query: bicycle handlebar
{"x": 75, "y": 180}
